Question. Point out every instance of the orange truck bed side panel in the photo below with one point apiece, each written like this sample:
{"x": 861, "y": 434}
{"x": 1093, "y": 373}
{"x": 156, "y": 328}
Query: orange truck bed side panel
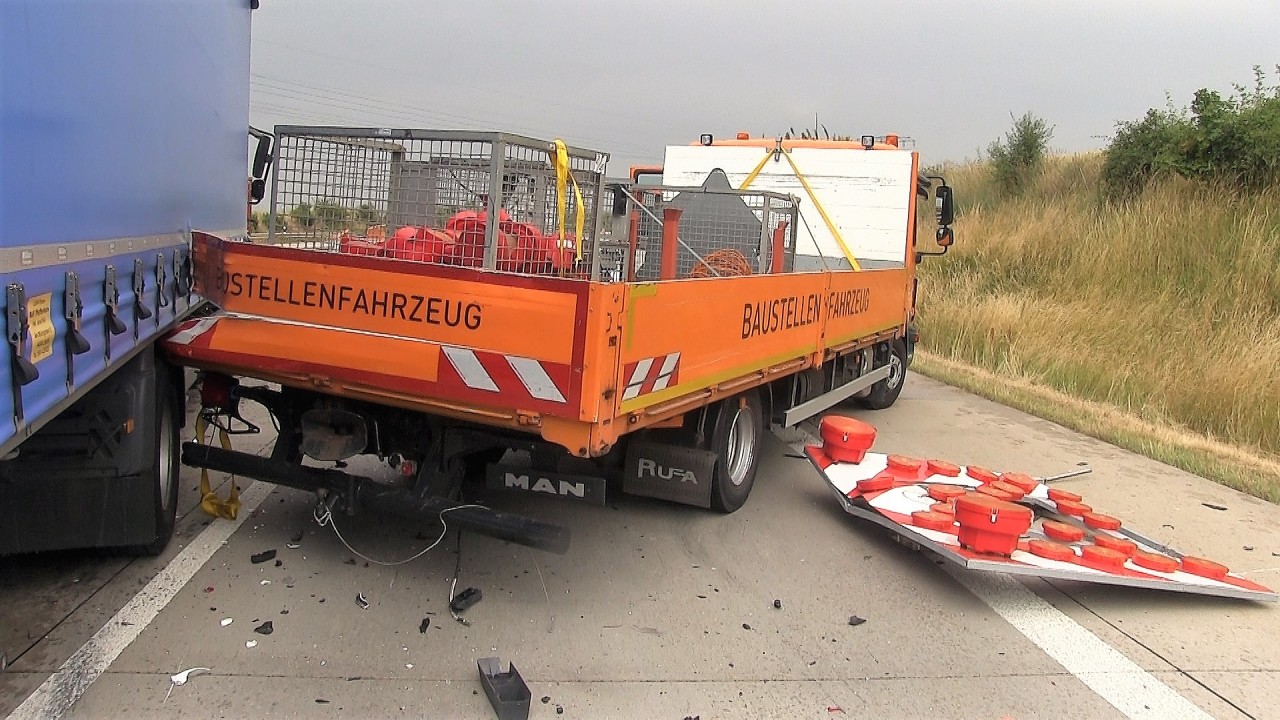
{"x": 498, "y": 341}
{"x": 684, "y": 336}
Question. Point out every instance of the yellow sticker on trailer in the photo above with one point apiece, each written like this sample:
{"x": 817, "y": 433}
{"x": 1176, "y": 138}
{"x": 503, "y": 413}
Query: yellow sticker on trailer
{"x": 40, "y": 322}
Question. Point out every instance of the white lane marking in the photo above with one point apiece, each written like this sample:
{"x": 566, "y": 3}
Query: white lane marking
{"x": 470, "y": 369}
{"x": 1106, "y": 671}
{"x": 63, "y": 688}
{"x": 535, "y": 378}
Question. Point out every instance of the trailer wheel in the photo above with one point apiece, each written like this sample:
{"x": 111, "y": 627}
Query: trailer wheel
{"x": 736, "y": 439}
{"x": 165, "y": 460}
{"x": 886, "y": 392}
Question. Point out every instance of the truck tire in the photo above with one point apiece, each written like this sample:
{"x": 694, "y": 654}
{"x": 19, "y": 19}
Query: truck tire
{"x": 165, "y": 466}
{"x": 886, "y": 392}
{"x": 736, "y": 438}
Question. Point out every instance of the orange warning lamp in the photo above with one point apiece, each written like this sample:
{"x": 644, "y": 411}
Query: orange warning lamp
{"x": 742, "y": 135}
{"x": 891, "y": 140}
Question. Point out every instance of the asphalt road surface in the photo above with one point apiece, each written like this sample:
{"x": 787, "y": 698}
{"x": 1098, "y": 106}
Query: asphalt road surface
{"x": 658, "y": 610}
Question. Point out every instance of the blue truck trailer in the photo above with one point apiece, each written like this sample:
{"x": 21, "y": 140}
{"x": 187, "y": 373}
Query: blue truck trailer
{"x": 122, "y": 132}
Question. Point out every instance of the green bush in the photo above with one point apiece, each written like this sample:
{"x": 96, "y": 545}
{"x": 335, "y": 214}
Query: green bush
{"x": 1233, "y": 141}
{"x": 1016, "y": 160}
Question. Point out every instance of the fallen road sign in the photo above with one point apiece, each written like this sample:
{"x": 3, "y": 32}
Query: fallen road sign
{"x": 934, "y": 504}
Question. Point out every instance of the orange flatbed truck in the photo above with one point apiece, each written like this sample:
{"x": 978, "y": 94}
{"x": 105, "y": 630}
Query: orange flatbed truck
{"x": 598, "y": 337}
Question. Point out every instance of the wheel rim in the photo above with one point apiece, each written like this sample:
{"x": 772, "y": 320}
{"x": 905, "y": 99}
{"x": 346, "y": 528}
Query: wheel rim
{"x": 741, "y": 446}
{"x": 165, "y": 446}
{"x": 895, "y": 371}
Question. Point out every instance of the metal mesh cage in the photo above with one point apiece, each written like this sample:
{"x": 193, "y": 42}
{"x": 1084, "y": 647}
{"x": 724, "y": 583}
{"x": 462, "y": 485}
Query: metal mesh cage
{"x": 427, "y": 196}
{"x": 719, "y": 231}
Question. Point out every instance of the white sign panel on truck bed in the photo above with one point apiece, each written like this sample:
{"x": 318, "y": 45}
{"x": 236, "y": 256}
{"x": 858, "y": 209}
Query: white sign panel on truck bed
{"x": 867, "y": 194}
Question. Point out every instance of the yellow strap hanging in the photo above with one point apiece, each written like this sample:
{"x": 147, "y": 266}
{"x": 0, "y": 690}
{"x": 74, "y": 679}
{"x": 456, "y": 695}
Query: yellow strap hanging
{"x": 209, "y": 500}
{"x": 563, "y": 176}
{"x": 831, "y": 226}
{"x": 752, "y": 176}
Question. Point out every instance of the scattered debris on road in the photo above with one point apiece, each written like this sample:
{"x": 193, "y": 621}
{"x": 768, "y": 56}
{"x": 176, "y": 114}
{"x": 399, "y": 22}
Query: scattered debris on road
{"x": 265, "y": 628}
{"x": 180, "y": 679}
{"x": 745, "y": 626}
{"x": 263, "y": 556}
{"x": 507, "y": 691}
{"x": 422, "y": 627}
{"x": 1211, "y": 506}
{"x": 546, "y": 699}
{"x": 465, "y": 599}
{"x": 251, "y": 644}
{"x": 321, "y": 701}
{"x": 777, "y": 604}
{"x": 227, "y": 621}
{"x": 361, "y": 602}
{"x": 855, "y": 621}
{"x": 1248, "y": 548}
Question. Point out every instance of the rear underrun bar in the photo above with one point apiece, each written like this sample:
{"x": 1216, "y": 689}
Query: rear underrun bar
{"x": 363, "y": 492}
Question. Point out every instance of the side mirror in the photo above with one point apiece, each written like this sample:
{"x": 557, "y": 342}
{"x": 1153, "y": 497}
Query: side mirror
{"x": 945, "y": 236}
{"x": 944, "y": 205}
{"x": 619, "y": 200}
{"x": 262, "y": 157}
{"x": 257, "y": 190}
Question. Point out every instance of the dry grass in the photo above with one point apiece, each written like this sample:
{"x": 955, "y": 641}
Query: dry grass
{"x": 1164, "y": 309}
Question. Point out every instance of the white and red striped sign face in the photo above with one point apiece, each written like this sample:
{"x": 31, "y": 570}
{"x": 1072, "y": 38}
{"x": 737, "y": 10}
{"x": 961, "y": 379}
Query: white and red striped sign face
{"x": 650, "y": 375}
{"x": 1061, "y": 542}
{"x": 512, "y": 376}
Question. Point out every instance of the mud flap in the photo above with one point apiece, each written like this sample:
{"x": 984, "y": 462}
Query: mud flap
{"x": 669, "y": 472}
{"x": 583, "y": 488}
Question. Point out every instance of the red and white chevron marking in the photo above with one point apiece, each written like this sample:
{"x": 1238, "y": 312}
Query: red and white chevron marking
{"x": 495, "y": 373}
{"x": 651, "y": 375}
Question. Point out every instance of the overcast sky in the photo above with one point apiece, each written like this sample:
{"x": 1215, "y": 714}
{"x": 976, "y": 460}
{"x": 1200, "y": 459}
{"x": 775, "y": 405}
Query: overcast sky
{"x": 629, "y": 78}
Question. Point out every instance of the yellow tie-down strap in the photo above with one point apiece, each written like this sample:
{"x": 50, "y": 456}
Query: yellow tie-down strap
{"x": 563, "y": 177}
{"x": 804, "y": 182}
{"x": 209, "y": 500}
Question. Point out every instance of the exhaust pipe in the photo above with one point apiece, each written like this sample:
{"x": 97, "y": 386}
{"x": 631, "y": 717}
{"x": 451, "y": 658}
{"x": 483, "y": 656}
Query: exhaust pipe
{"x": 364, "y": 492}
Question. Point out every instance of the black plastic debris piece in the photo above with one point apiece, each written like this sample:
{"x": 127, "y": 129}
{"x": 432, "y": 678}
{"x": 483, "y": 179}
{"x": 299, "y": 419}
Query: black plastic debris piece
{"x": 279, "y": 563}
{"x": 855, "y": 621}
{"x": 263, "y": 556}
{"x": 507, "y": 691}
{"x": 559, "y": 710}
{"x": 1248, "y": 548}
{"x": 361, "y": 602}
{"x": 746, "y": 626}
{"x": 349, "y": 561}
{"x": 777, "y": 604}
{"x": 465, "y": 599}
{"x": 422, "y": 627}
{"x": 265, "y": 628}
{"x": 321, "y": 701}
{"x": 546, "y": 699}
{"x": 1211, "y": 506}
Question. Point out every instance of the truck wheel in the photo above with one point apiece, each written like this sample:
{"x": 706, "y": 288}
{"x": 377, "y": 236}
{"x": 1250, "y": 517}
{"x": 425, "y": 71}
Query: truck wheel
{"x": 886, "y": 392}
{"x": 736, "y": 440}
{"x": 165, "y": 461}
